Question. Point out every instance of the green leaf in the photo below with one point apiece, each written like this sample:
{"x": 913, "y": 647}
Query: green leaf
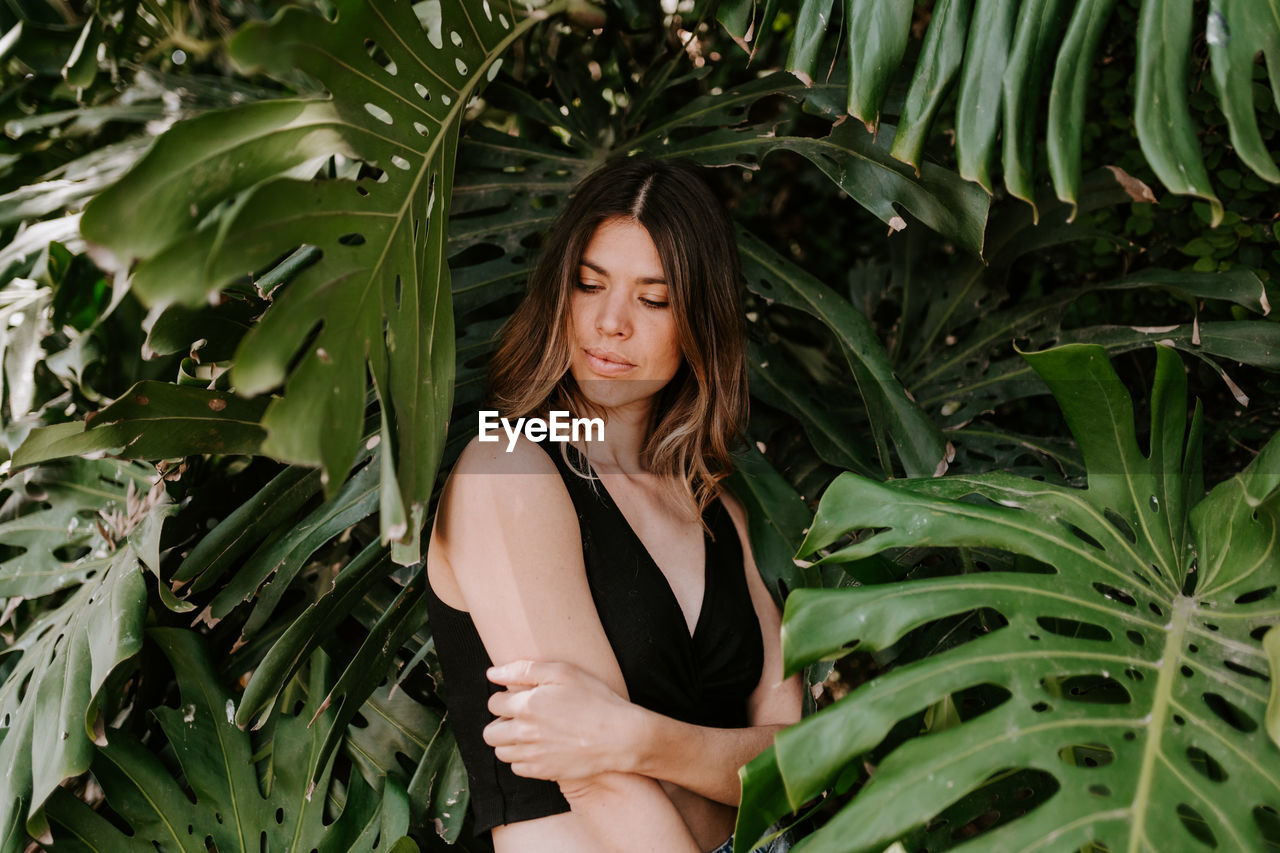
{"x": 220, "y": 204}
{"x": 940, "y": 59}
{"x": 399, "y": 729}
{"x": 894, "y": 416}
{"x": 1163, "y": 121}
{"x": 857, "y": 160}
{"x": 305, "y": 633}
{"x": 1138, "y": 651}
{"x": 811, "y": 25}
{"x": 154, "y": 420}
{"x": 1067, "y": 94}
{"x": 48, "y": 539}
{"x": 230, "y": 811}
{"x": 876, "y": 32}
{"x": 1035, "y": 34}
{"x": 775, "y": 517}
{"x": 58, "y": 663}
{"x": 1237, "y": 31}
{"x": 981, "y": 87}
{"x": 248, "y": 524}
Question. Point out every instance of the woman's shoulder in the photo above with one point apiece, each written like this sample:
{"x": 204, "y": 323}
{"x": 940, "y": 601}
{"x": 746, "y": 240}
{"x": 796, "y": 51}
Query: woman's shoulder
{"x": 493, "y": 484}
{"x": 504, "y": 458}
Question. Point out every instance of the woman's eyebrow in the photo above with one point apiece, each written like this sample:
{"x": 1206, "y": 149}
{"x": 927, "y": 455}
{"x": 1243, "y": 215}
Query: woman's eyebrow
{"x": 642, "y": 280}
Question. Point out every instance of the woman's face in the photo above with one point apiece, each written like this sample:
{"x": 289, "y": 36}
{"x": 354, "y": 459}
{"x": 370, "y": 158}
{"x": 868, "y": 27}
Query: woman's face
{"x": 625, "y": 344}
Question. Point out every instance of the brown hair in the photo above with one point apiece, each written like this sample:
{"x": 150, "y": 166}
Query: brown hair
{"x": 702, "y": 411}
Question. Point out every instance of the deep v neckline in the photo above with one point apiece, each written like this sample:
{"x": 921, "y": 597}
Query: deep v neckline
{"x": 666, "y": 582}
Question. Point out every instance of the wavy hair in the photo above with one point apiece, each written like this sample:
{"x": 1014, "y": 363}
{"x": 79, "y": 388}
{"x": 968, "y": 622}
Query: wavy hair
{"x": 701, "y": 413}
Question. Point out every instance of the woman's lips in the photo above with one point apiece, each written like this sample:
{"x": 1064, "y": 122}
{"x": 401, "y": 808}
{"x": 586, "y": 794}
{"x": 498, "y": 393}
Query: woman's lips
{"x": 605, "y": 367}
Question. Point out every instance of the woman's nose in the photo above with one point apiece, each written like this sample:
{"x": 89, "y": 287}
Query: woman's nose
{"x": 612, "y": 318}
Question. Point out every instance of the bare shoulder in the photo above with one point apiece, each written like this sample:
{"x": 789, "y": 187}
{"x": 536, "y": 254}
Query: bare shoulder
{"x": 493, "y": 495}
{"x": 494, "y": 458}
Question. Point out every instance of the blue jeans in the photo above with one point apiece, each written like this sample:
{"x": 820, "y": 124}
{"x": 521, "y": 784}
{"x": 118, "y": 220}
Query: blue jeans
{"x": 781, "y": 844}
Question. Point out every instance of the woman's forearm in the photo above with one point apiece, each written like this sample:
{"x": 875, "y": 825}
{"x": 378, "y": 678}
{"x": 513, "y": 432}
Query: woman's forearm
{"x": 625, "y": 812}
{"x": 702, "y": 759}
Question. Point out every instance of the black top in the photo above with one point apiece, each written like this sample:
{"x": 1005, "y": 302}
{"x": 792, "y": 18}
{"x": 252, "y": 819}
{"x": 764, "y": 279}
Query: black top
{"x": 704, "y": 679}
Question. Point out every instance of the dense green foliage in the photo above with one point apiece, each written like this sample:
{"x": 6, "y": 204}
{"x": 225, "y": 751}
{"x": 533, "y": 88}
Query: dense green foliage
{"x": 268, "y": 250}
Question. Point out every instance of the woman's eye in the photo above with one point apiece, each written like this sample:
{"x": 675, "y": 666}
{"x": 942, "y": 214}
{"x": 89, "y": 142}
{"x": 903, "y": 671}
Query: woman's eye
{"x": 587, "y": 286}
{"x": 654, "y": 304}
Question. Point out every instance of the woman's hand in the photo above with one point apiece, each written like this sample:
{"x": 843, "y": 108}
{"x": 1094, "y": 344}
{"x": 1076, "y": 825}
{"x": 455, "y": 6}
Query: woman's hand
{"x": 556, "y": 721}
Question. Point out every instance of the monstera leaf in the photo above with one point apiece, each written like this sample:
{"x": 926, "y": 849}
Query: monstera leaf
{"x": 230, "y": 192}
{"x": 1130, "y": 668}
{"x": 230, "y": 810}
{"x": 1003, "y": 56}
{"x": 101, "y": 532}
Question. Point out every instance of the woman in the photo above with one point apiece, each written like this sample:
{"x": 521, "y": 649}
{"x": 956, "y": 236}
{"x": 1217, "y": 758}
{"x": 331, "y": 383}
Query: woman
{"x": 611, "y": 579}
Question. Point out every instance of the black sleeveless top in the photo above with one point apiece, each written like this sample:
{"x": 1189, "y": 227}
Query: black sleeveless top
{"x": 704, "y": 678}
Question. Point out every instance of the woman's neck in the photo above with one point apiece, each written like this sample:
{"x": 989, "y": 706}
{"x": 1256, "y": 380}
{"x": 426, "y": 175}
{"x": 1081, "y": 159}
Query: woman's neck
{"x": 625, "y": 431}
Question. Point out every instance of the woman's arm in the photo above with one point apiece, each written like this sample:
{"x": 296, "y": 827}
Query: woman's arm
{"x": 574, "y": 720}
{"x": 508, "y": 530}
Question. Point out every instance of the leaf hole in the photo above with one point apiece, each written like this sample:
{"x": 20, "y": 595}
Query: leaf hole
{"x": 1130, "y": 735}
{"x": 1268, "y": 824}
{"x": 420, "y": 128}
{"x": 1096, "y": 689}
{"x": 398, "y": 290}
{"x": 1087, "y": 754}
{"x": 423, "y": 91}
{"x": 1210, "y": 627}
{"x": 1206, "y": 765}
{"x": 1081, "y": 535}
{"x": 1118, "y": 522}
{"x": 1100, "y": 790}
{"x": 461, "y": 66}
{"x": 1073, "y": 629}
{"x": 1186, "y": 671}
{"x": 351, "y": 239}
{"x": 379, "y": 113}
{"x": 1134, "y": 674}
{"x": 1116, "y": 594}
{"x": 1155, "y": 608}
{"x": 1256, "y": 595}
{"x": 1135, "y": 637}
{"x": 1259, "y": 632}
{"x": 1041, "y": 707}
{"x": 1034, "y": 637}
{"x": 1244, "y": 670}
{"x": 70, "y": 553}
{"x": 378, "y": 55}
{"x": 1178, "y": 719}
{"x": 362, "y": 191}
{"x": 399, "y": 162}
{"x": 1192, "y": 648}
{"x": 1230, "y": 713}
{"x": 1194, "y": 823}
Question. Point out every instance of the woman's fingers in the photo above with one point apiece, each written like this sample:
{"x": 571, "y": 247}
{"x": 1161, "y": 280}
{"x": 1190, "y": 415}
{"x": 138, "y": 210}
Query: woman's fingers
{"x": 528, "y": 673}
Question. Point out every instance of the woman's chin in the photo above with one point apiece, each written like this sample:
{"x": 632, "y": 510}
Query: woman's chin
{"x": 619, "y": 394}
